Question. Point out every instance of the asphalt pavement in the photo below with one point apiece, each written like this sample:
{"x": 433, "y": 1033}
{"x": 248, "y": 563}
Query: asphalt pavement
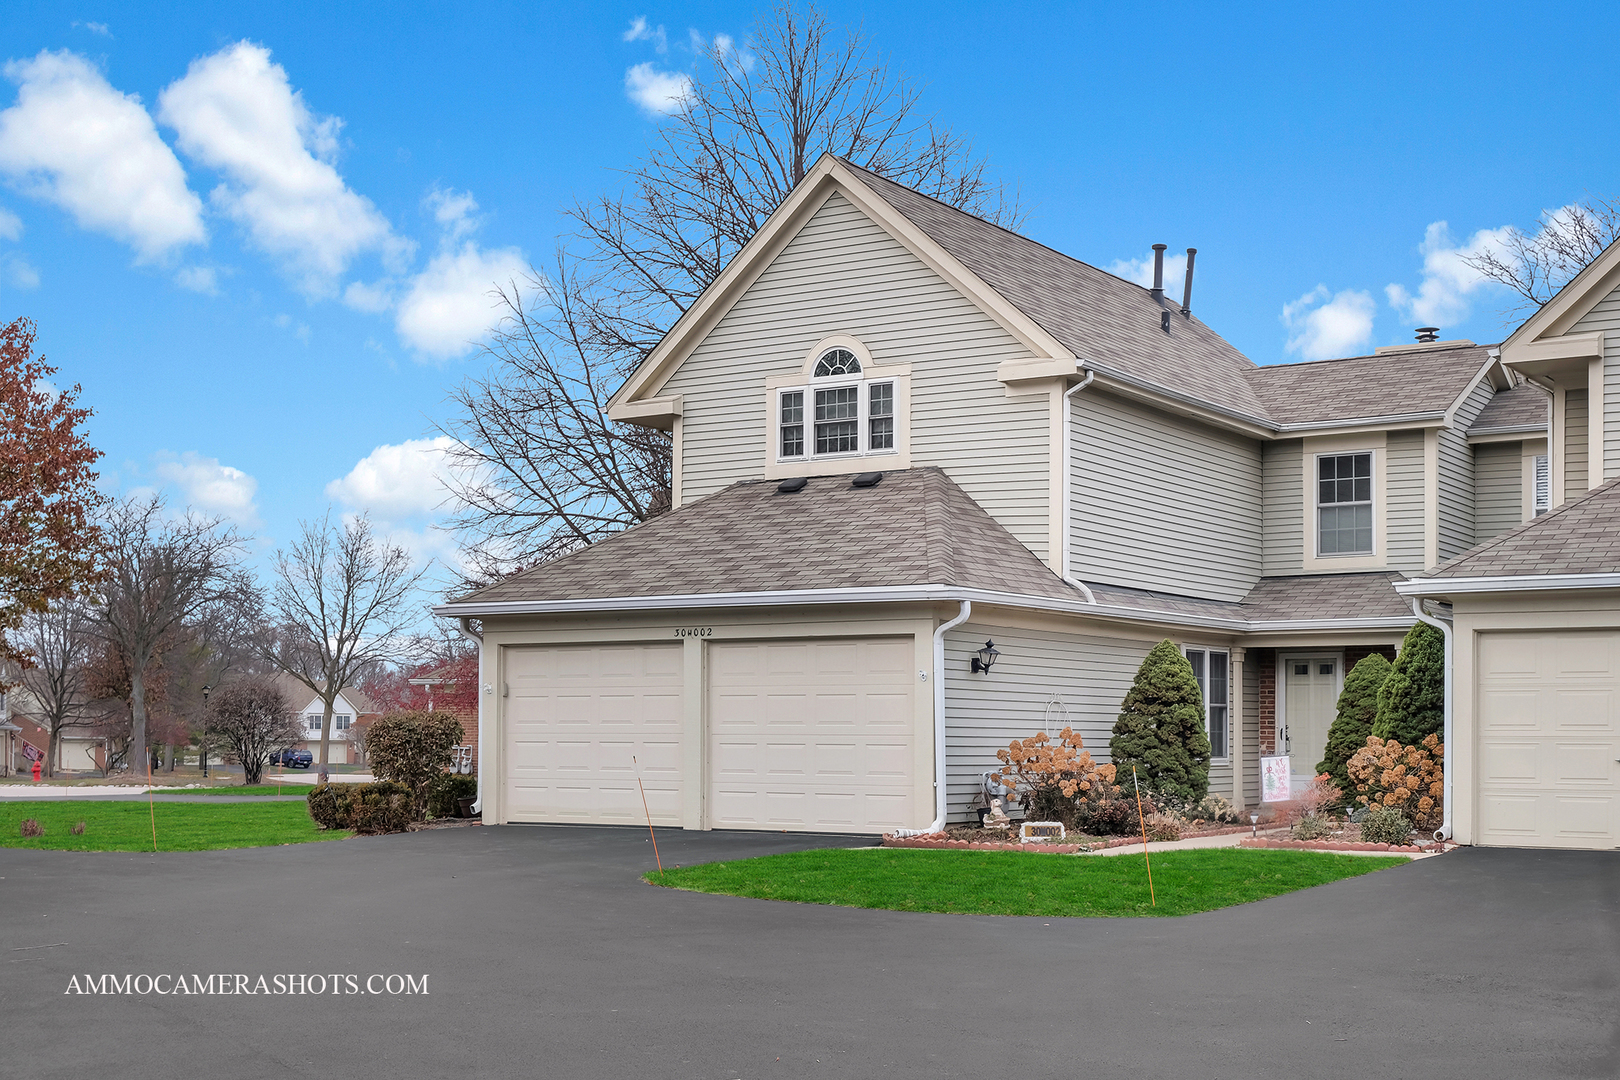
{"x": 546, "y": 956}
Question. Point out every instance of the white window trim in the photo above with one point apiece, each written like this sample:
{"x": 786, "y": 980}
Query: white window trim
{"x": 1225, "y": 759}
{"x": 1529, "y": 450}
{"x": 812, "y": 464}
{"x": 1333, "y": 446}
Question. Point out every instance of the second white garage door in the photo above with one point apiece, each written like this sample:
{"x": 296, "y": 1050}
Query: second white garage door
{"x": 1549, "y": 734}
{"x": 576, "y": 715}
{"x": 812, "y": 735}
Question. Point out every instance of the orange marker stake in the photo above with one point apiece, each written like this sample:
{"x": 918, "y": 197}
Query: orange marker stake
{"x": 1140, "y": 817}
{"x": 648, "y": 812}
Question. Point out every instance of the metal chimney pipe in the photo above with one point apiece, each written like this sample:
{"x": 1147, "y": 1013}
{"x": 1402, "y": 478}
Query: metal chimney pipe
{"x": 1158, "y": 270}
{"x": 1426, "y": 334}
{"x": 1186, "y": 292}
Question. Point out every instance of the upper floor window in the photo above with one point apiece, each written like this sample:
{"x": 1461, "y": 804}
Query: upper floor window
{"x": 1210, "y": 668}
{"x": 1344, "y": 504}
{"x": 843, "y": 412}
{"x": 341, "y": 722}
{"x": 314, "y": 721}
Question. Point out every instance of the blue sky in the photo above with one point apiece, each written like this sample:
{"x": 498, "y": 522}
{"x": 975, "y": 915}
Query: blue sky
{"x": 268, "y": 299}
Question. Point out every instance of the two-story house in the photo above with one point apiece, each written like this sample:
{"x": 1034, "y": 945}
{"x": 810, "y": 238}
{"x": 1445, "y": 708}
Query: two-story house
{"x": 348, "y": 708}
{"x": 937, "y": 487}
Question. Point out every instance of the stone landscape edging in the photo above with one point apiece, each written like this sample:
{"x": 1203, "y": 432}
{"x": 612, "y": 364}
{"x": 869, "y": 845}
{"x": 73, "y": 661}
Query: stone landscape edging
{"x": 941, "y": 841}
{"x": 1338, "y": 845}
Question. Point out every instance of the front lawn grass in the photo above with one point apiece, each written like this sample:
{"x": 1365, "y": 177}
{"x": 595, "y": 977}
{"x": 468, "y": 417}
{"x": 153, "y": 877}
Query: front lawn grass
{"x": 291, "y": 791}
{"x": 127, "y": 826}
{"x": 1015, "y": 883}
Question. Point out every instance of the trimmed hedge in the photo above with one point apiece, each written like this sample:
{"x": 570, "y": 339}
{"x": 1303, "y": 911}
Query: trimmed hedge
{"x": 446, "y": 789}
{"x": 383, "y": 807}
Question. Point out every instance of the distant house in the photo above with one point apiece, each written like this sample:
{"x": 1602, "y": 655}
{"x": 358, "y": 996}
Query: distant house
{"x": 348, "y": 710}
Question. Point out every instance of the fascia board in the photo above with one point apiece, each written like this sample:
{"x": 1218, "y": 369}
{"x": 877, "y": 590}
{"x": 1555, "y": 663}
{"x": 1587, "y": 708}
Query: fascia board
{"x": 1514, "y": 433}
{"x": 657, "y": 412}
{"x": 1462, "y": 396}
{"x": 1570, "y": 347}
{"x": 1443, "y": 586}
{"x": 1127, "y": 386}
{"x": 1381, "y": 622}
{"x": 1578, "y": 296}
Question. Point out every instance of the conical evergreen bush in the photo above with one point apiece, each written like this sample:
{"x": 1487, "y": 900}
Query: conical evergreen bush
{"x": 1412, "y": 701}
{"x": 1358, "y": 708}
{"x": 1161, "y": 729}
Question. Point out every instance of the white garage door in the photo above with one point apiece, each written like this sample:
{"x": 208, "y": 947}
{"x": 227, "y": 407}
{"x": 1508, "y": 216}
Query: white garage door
{"x": 1549, "y": 735}
{"x": 812, "y": 736}
{"x": 575, "y": 717}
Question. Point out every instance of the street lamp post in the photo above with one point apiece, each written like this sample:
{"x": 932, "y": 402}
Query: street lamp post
{"x": 202, "y": 752}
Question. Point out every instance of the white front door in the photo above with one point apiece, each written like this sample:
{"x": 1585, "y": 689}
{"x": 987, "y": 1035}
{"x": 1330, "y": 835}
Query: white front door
{"x": 1309, "y": 702}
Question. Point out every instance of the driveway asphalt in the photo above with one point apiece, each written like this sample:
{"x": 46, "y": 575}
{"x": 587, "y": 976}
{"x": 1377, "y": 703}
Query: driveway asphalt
{"x": 547, "y": 957}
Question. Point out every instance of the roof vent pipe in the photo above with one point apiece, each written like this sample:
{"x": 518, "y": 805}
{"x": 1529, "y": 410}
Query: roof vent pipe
{"x": 1158, "y": 271}
{"x": 1426, "y": 334}
{"x": 1186, "y": 291}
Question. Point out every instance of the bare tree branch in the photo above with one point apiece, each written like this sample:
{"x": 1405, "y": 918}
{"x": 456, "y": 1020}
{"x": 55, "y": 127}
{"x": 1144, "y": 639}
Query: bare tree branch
{"x": 1536, "y": 265}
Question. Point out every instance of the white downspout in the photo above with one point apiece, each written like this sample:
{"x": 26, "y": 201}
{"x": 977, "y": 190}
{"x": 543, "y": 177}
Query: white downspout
{"x": 939, "y": 723}
{"x": 1068, "y": 485}
{"x": 1444, "y": 831}
{"x": 483, "y": 736}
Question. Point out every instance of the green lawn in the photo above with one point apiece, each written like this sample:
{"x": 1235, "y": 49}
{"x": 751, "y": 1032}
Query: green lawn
{"x": 290, "y": 791}
{"x": 1014, "y": 883}
{"x": 127, "y": 826}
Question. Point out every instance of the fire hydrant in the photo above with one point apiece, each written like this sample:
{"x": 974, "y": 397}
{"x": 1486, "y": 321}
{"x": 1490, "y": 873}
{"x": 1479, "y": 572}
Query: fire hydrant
{"x": 36, "y": 770}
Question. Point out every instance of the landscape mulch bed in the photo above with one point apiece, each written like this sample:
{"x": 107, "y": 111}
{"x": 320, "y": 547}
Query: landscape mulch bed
{"x": 975, "y": 839}
{"x": 443, "y": 823}
{"x": 1340, "y": 845}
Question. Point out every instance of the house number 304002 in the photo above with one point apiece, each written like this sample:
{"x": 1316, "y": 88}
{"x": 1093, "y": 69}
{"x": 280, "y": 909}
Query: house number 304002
{"x": 695, "y": 631}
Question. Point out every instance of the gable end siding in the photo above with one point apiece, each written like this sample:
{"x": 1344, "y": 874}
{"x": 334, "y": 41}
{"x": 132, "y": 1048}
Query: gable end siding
{"x": 1457, "y": 526}
{"x": 1284, "y": 463}
{"x": 1163, "y": 503}
{"x": 1498, "y": 488}
{"x": 1575, "y": 448}
{"x": 843, "y": 274}
{"x": 1605, "y": 316}
{"x": 1404, "y": 523}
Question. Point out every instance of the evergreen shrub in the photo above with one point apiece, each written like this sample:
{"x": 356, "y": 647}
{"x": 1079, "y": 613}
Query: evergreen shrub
{"x": 1161, "y": 730}
{"x": 1412, "y": 701}
{"x": 1358, "y": 707}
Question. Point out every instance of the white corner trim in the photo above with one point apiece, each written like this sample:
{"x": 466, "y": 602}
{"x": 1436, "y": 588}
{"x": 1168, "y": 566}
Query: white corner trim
{"x": 1506, "y": 583}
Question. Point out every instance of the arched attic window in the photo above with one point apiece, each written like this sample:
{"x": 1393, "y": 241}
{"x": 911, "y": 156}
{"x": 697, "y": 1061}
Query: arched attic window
{"x": 849, "y": 413}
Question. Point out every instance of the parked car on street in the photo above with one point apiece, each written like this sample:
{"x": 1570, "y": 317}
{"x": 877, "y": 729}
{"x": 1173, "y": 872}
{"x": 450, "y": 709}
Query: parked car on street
{"x": 293, "y": 759}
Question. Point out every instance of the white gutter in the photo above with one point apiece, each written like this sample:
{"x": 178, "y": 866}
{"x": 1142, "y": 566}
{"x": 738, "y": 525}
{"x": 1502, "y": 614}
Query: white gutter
{"x": 1446, "y": 586}
{"x": 939, "y": 722}
{"x": 1444, "y": 831}
{"x": 1068, "y": 485}
{"x": 483, "y": 736}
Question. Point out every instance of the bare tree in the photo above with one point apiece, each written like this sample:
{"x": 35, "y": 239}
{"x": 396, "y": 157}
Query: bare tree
{"x": 541, "y": 469}
{"x": 252, "y": 719}
{"x": 59, "y": 644}
{"x": 1537, "y": 264}
{"x": 161, "y": 572}
{"x": 342, "y": 601}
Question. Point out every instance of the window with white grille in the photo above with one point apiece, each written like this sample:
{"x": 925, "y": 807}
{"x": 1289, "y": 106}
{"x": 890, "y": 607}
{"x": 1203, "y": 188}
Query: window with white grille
{"x": 843, "y": 412}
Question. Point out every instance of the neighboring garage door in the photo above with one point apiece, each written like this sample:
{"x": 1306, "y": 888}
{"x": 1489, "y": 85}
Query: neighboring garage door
{"x": 1548, "y": 739}
{"x": 575, "y": 717}
{"x": 811, "y": 735}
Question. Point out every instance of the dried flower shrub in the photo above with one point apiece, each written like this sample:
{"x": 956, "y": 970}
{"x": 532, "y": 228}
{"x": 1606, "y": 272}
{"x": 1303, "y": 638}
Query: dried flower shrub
{"x": 1038, "y": 762}
{"x": 31, "y": 827}
{"x": 1408, "y": 778}
{"x": 1163, "y": 827}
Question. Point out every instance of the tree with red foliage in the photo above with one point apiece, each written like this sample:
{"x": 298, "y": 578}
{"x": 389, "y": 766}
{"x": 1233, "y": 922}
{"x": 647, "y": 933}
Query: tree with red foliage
{"x": 49, "y": 546}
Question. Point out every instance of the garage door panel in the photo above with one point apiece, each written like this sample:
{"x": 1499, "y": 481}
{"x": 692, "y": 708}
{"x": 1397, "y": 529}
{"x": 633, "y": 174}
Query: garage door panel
{"x": 1548, "y": 738}
{"x": 802, "y": 735}
{"x": 581, "y": 721}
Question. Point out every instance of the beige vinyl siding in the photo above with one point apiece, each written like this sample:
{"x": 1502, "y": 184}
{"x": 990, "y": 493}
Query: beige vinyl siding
{"x": 842, "y": 274}
{"x": 1404, "y": 524}
{"x": 1498, "y": 488}
{"x": 1457, "y": 525}
{"x": 1162, "y": 502}
{"x": 1575, "y": 456}
{"x": 1087, "y": 675}
{"x": 1251, "y": 728}
{"x": 1283, "y": 462}
{"x": 1605, "y": 316}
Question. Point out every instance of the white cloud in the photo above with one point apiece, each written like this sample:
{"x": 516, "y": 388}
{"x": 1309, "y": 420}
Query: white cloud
{"x": 640, "y": 31}
{"x": 1141, "y": 272}
{"x": 235, "y": 111}
{"x": 1448, "y": 282}
{"x": 203, "y": 279}
{"x": 453, "y": 211}
{"x": 1322, "y": 327}
{"x": 99, "y": 28}
{"x": 447, "y": 307}
{"x": 372, "y": 299}
{"x": 18, "y": 272}
{"x": 657, "y": 93}
{"x": 211, "y": 487}
{"x": 397, "y": 480}
{"x": 11, "y": 226}
{"x": 73, "y": 140}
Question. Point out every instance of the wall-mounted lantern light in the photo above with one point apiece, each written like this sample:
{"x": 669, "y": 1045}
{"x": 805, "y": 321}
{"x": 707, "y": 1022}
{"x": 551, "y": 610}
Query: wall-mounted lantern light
{"x": 985, "y": 659}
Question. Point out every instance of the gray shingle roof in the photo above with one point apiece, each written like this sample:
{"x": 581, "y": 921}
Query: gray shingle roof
{"x": 1327, "y": 596}
{"x": 1099, "y": 317}
{"x": 915, "y": 527}
{"x": 1415, "y": 381}
{"x": 1580, "y": 537}
{"x": 1524, "y": 407}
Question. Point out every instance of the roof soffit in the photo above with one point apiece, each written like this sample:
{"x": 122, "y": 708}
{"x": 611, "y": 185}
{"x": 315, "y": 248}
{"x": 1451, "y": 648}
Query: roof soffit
{"x": 827, "y": 177}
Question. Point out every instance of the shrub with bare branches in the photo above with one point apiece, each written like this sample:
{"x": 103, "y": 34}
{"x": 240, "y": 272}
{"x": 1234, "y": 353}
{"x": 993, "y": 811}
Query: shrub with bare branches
{"x": 1409, "y": 778}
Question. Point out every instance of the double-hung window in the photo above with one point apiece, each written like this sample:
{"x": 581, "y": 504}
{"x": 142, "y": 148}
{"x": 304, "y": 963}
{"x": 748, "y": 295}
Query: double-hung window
{"x": 340, "y": 722}
{"x": 1344, "y": 504}
{"x": 314, "y": 721}
{"x": 841, "y": 413}
{"x": 1211, "y": 668}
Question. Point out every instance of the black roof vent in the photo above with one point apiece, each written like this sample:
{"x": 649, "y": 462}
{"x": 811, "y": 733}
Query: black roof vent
{"x": 792, "y": 484}
{"x": 866, "y": 479}
{"x": 1427, "y": 334}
